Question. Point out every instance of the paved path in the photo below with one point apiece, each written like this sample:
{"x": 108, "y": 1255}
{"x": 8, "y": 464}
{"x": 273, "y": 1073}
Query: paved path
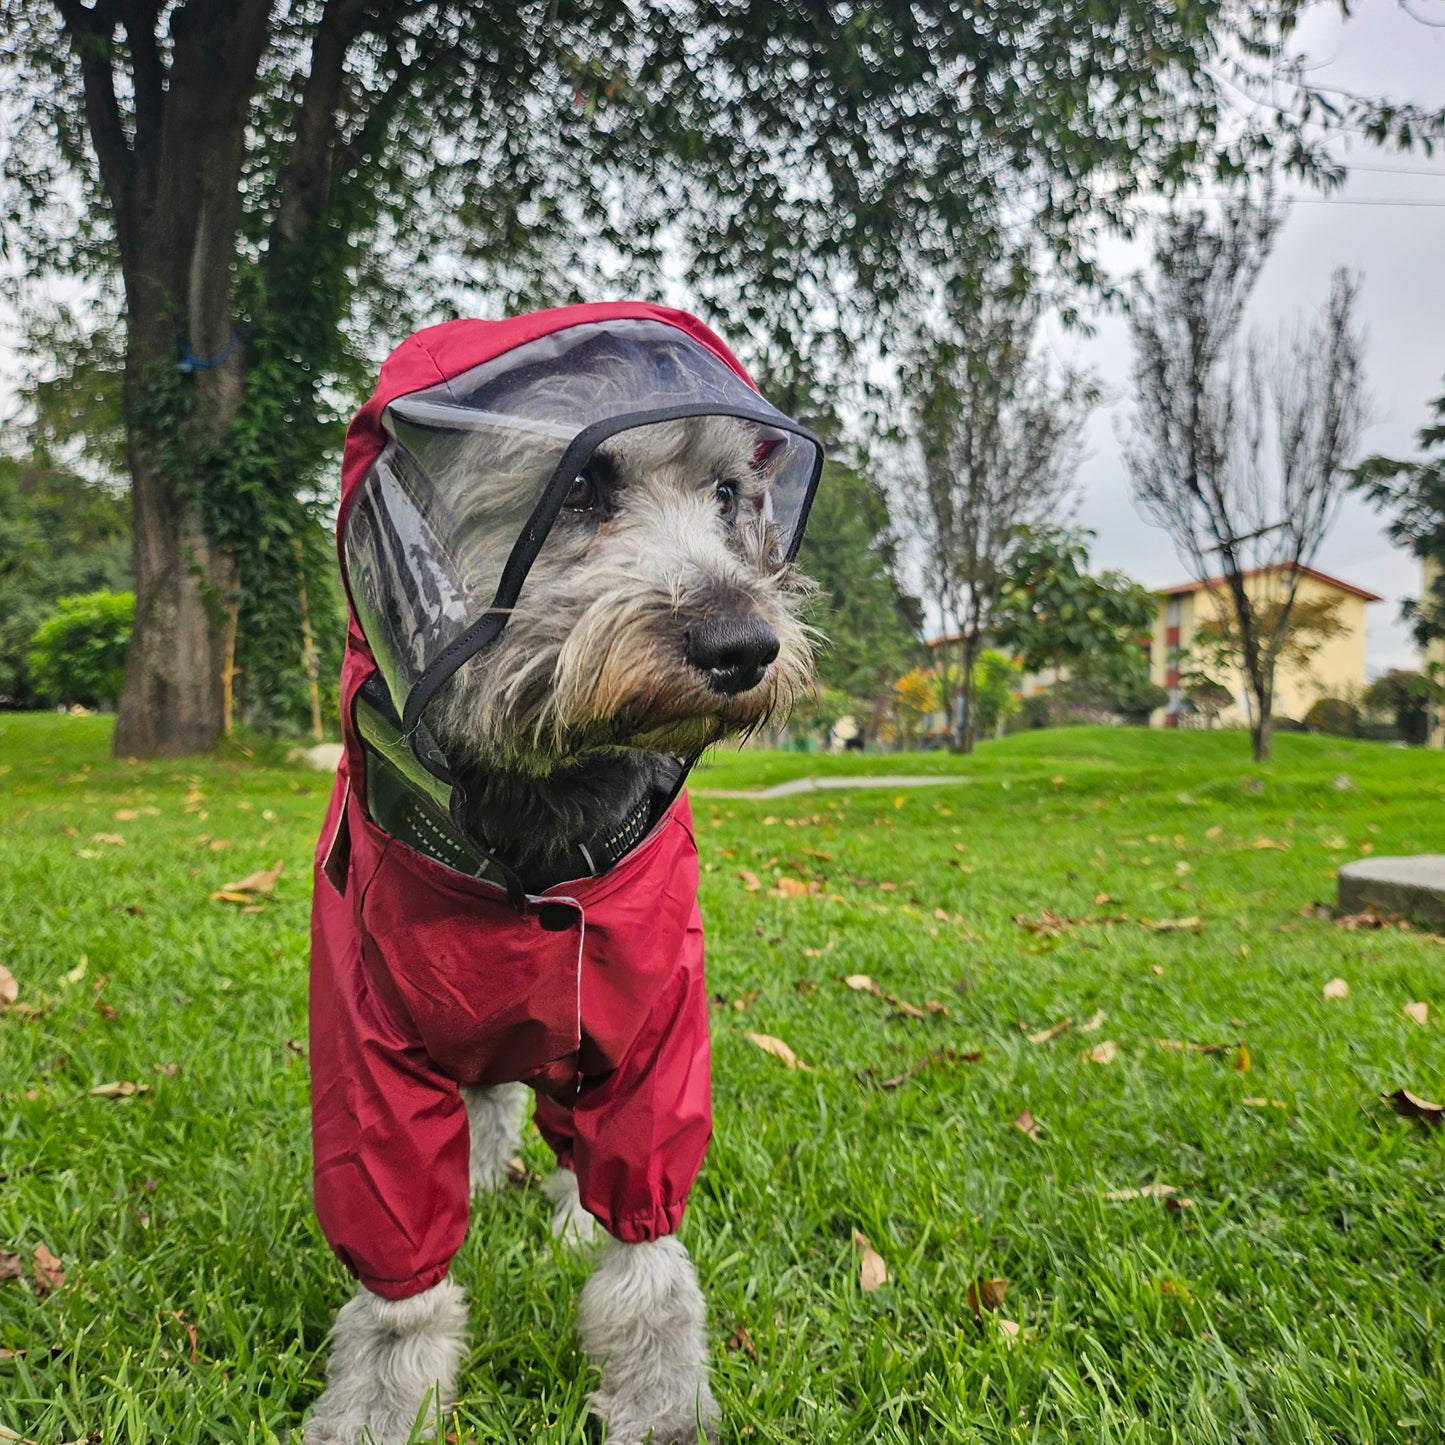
{"x": 826, "y": 785}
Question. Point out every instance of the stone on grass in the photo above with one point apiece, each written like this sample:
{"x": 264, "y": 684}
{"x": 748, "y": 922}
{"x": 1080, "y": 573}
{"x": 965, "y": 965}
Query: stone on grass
{"x": 1413, "y": 887}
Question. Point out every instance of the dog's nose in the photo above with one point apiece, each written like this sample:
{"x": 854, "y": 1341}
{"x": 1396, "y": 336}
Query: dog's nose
{"x": 734, "y": 650}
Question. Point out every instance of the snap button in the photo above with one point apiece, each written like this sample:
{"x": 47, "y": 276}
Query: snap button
{"x": 556, "y": 917}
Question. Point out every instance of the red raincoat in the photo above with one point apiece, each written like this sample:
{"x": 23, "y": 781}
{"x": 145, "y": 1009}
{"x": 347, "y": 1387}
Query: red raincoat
{"x": 423, "y": 979}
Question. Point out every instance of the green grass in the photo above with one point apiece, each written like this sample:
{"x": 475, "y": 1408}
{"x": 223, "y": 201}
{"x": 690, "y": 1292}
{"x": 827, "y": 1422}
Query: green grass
{"x": 1299, "y": 1298}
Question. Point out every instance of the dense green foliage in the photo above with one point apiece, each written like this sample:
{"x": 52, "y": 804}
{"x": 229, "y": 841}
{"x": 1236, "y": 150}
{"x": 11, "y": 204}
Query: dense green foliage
{"x": 1057, "y": 615}
{"x": 78, "y": 653}
{"x": 1293, "y": 1300}
{"x": 869, "y": 623}
{"x": 1414, "y": 494}
{"x": 59, "y": 536}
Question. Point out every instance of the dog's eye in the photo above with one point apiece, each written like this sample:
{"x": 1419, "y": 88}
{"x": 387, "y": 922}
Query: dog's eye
{"x": 727, "y": 499}
{"x": 586, "y": 491}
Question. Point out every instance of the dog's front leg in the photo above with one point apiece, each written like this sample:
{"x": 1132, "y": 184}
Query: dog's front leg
{"x": 643, "y": 1320}
{"x": 494, "y": 1122}
{"x": 391, "y": 1360}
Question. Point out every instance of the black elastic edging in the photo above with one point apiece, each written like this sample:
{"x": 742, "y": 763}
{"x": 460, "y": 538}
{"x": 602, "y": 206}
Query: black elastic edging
{"x": 524, "y": 552}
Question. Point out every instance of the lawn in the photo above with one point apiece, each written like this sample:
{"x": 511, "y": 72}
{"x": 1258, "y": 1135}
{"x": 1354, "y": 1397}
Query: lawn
{"x": 1290, "y": 1288}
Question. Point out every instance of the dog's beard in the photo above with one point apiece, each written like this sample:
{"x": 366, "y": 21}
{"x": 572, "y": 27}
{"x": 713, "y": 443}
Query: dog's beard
{"x": 594, "y": 655}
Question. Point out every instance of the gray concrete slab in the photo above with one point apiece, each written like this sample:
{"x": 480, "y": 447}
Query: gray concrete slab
{"x": 1412, "y": 886}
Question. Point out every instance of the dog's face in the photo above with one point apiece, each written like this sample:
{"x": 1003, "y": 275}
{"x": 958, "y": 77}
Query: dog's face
{"x": 658, "y": 614}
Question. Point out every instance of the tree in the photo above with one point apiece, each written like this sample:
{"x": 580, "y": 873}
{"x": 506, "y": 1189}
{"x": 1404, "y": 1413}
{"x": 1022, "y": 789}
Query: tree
{"x": 1240, "y": 454}
{"x": 998, "y": 440}
{"x": 59, "y": 535}
{"x": 1056, "y": 615}
{"x": 1217, "y": 647}
{"x": 1415, "y": 493}
{"x": 1407, "y": 697}
{"x": 869, "y": 623}
{"x": 261, "y": 185}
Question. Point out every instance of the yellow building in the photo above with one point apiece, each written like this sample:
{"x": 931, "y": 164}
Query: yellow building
{"x": 1336, "y": 670}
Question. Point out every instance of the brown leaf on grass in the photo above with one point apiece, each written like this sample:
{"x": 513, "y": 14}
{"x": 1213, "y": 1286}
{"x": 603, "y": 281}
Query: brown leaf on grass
{"x": 1336, "y": 988}
{"x": 805, "y": 986}
{"x": 743, "y": 1002}
{"x": 1173, "y": 925}
{"x": 9, "y": 988}
{"x": 262, "y": 881}
{"x": 1009, "y": 1330}
{"x": 1104, "y": 1053}
{"x": 1420, "y": 1012}
{"x": 1411, "y": 1106}
{"x": 751, "y": 881}
{"x": 47, "y": 1271}
{"x": 934, "y": 1056}
{"x": 986, "y": 1294}
{"x": 795, "y": 888}
{"x": 1043, "y": 1036}
{"x": 742, "y": 1340}
{"x": 1047, "y": 925}
{"x": 1027, "y": 1124}
{"x": 1093, "y": 1023}
{"x": 121, "y": 1089}
{"x": 1242, "y": 1061}
{"x": 872, "y": 1272}
{"x": 778, "y": 1049}
{"x": 1351, "y": 922}
{"x": 1279, "y": 845}
{"x": 861, "y": 983}
{"x": 114, "y": 839}
{"x": 1156, "y": 970}
{"x": 9, "y": 1265}
{"x": 219, "y": 845}
{"x": 902, "y": 1006}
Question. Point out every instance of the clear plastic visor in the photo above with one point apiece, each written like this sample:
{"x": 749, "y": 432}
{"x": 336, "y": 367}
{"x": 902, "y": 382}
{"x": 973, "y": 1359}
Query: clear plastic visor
{"x": 440, "y": 535}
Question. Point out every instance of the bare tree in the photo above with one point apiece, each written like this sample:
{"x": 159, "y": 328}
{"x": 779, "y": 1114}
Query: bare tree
{"x": 1239, "y": 451}
{"x": 997, "y": 442}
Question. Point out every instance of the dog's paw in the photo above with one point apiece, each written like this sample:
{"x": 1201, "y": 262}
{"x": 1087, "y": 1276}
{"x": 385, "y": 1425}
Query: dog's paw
{"x": 571, "y": 1223}
{"x": 630, "y": 1423}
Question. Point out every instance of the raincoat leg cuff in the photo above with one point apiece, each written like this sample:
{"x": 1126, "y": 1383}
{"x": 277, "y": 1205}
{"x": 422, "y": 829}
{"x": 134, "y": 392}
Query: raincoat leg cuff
{"x": 395, "y": 1289}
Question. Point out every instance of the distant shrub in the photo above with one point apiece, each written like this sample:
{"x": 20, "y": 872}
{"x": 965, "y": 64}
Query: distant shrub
{"x": 1335, "y": 717}
{"x": 78, "y": 653}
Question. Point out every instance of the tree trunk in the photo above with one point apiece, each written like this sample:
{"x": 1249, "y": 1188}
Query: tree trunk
{"x": 965, "y": 728}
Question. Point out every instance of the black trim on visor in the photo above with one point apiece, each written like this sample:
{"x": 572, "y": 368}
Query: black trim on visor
{"x": 524, "y": 552}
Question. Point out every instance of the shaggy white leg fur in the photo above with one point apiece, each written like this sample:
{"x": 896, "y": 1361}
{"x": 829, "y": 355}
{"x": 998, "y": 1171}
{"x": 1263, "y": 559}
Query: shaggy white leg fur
{"x": 390, "y": 1360}
{"x": 570, "y": 1222}
{"x": 643, "y": 1320}
{"x": 495, "y": 1120}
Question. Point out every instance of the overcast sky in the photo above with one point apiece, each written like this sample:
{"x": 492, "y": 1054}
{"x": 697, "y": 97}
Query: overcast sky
{"x": 1399, "y": 253}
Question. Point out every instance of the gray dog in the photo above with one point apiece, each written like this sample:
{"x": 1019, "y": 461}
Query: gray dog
{"x": 660, "y": 615}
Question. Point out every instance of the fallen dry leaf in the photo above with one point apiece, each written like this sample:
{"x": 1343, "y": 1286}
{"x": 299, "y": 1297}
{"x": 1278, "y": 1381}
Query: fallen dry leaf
{"x": 1027, "y": 1124}
{"x": 1044, "y": 1035}
{"x": 1147, "y": 1191}
{"x": 1173, "y": 925}
{"x": 1093, "y": 1023}
{"x": 986, "y": 1294}
{"x": 1278, "y": 844}
{"x": 9, "y": 1265}
{"x": 1008, "y": 1329}
{"x": 47, "y": 1270}
{"x": 935, "y": 1056}
{"x": 742, "y": 1340}
{"x": 1350, "y": 922}
{"x": 1402, "y": 1101}
{"x": 1242, "y": 1061}
{"x": 121, "y": 1089}
{"x": 751, "y": 881}
{"x": 1047, "y": 925}
{"x": 872, "y": 1271}
{"x": 260, "y": 882}
{"x": 795, "y": 887}
{"x": 862, "y": 983}
{"x": 1336, "y": 988}
{"x": 1156, "y": 970}
{"x": 745, "y": 1001}
{"x": 1420, "y": 1012}
{"x": 9, "y": 988}
{"x": 778, "y": 1049}
{"x": 1104, "y": 1053}
{"x": 114, "y": 839}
